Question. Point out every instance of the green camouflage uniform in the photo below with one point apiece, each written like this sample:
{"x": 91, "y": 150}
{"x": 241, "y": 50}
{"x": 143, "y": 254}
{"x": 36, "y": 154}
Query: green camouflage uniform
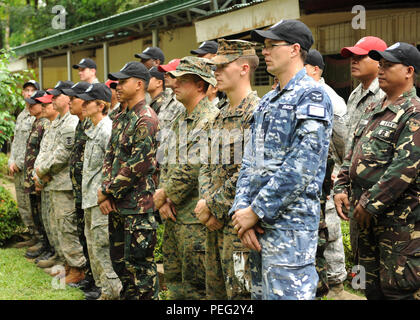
{"x": 76, "y": 170}
{"x": 357, "y": 103}
{"x": 32, "y": 150}
{"x": 227, "y": 267}
{"x": 184, "y": 240}
{"x": 381, "y": 173}
{"x": 129, "y": 166}
{"x": 23, "y": 127}
{"x": 63, "y": 208}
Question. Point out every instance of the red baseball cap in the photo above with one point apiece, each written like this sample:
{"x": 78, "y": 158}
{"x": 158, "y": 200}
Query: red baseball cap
{"x": 46, "y": 98}
{"x": 112, "y": 84}
{"x": 171, "y": 66}
{"x": 363, "y": 46}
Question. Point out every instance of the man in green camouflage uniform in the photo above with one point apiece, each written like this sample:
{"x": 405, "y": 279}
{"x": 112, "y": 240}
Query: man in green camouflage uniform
{"x": 227, "y": 266}
{"x": 127, "y": 190}
{"x": 32, "y": 150}
{"x": 365, "y": 70}
{"x": 380, "y": 179}
{"x": 17, "y": 153}
{"x": 183, "y": 240}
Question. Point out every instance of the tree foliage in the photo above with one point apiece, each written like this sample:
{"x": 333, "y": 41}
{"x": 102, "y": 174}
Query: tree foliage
{"x": 29, "y": 20}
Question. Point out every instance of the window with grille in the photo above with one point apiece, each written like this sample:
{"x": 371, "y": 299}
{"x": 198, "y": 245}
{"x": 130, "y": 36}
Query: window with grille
{"x": 261, "y": 77}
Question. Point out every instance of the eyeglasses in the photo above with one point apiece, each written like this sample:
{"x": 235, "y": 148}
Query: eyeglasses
{"x": 386, "y": 65}
{"x": 270, "y": 46}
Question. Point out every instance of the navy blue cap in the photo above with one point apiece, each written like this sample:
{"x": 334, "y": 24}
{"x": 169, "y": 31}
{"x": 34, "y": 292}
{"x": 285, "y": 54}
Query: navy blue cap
{"x": 58, "y": 89}
{"x": 314, "y": 58}
{"x": 399, "y": 52}
{"x": 292, "y": 31}
{"x": 96, "y": 91}
{"x": 36, "y": 94}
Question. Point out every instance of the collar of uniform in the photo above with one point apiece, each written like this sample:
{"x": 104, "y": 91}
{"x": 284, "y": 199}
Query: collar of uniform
{"x": 202, "y": 105}
{"x": 157, "y": 97}
{"x": 137, "y": 107}
{"x": 401, "y": 102}
{"x": 92, "y": 132}
{"x": 291, "y": 84}
{"x": 226, "y": 112}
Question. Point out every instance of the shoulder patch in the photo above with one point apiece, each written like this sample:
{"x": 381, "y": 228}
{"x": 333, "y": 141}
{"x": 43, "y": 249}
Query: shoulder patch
{"x": 316, "y": 96}
{"x": 413, "y": 124}
{"x": 316, "y": 111}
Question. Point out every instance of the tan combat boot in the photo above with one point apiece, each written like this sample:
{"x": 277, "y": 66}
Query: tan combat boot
{"x": 27, "y": 243}
{"x": 75, "y": 275}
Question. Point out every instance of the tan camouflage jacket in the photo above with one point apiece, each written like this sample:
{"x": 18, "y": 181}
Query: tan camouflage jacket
{"x": 218, "y": 178}
{"x": 97, "y": 141}
{"x": 180, "y": 180}
{"x": 57, "y": 166}
{"x": 23, "y": 128}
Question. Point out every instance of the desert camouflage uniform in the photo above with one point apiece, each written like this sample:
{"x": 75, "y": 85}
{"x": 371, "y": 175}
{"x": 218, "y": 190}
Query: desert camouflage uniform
{"x": 356, "y": 105}
{"x": 23, "y": 127}
{"x": 129, "y": 166}
{"x": 96, "y": 225}
{"x": 47, "y": 216}
{"x": 183, "y": 241}
{"x": 381, "y": 173}
{"x": 63, "y": 209}
{"x": 227, "y": 267}
{"x": 281, "y": 179}
{"x": 32, "y": 150}
{"x": 329, "y": 244}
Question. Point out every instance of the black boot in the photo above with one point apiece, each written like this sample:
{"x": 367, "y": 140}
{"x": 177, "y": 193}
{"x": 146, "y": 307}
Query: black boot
{"x": 94, "y": 294}
{"x": 45, "y": 256}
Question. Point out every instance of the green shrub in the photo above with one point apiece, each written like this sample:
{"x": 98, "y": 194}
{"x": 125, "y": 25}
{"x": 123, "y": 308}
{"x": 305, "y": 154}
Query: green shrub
{"x": 7, "y": 127}
{"x": 3, "y": 164}
{"x": 10, "y": 219}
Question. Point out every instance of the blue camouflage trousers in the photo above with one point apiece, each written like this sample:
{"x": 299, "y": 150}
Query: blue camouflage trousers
{"x": 285, "y": 268}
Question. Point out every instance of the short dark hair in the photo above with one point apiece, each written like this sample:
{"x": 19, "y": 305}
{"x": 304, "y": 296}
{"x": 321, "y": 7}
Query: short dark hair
{"x": 197, "y": 79}
{"x": 303, "y": 54}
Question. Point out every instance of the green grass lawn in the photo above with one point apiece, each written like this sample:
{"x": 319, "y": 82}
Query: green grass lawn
{"x": 21, "y": 279}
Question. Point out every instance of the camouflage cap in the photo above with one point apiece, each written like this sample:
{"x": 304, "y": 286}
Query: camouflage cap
{"x": 194, "y": 65}
{"x": 230, "y": 50}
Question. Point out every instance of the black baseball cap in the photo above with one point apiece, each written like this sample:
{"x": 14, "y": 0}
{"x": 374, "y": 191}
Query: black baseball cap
{"x": 314, "y": 58}
{"x": 292, "y": 31}
{"x": 85, "y": 63}
{"x": 399, "y": 52}
{"x": 151, "y": 53}
{"x": 154, "y": 72}
{"x": 132, "y": 69}
{"x": 31, "y": 83}
{"x": 58, "y": 89}
{"x": 36, "y": 94}
{"x": 206, "y": 47}
{"x": 77, "y": 88}
{"x": 96, "y": 91}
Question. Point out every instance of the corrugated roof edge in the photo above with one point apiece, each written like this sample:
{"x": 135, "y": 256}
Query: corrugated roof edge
{"x": 127, "y": 18}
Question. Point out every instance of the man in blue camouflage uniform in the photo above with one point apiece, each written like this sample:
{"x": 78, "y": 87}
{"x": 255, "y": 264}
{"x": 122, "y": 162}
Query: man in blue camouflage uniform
{"x": 283, "y": 168}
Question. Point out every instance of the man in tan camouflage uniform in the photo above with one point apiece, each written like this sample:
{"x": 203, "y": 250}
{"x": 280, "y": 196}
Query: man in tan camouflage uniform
{"x": 365, "y": 70}
{"x": 380, "y": 179}
{"x": 23, "y": 127}
{"x": 227, "y": 266}
{"x": 183, "y": 240}
{"x": 60, "y": 186}
{"x": 51, "y": 114}
{"x": 126, "y": 193}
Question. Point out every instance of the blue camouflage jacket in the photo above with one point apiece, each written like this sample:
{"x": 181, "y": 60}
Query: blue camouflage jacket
{"x": 284, "y": 161}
